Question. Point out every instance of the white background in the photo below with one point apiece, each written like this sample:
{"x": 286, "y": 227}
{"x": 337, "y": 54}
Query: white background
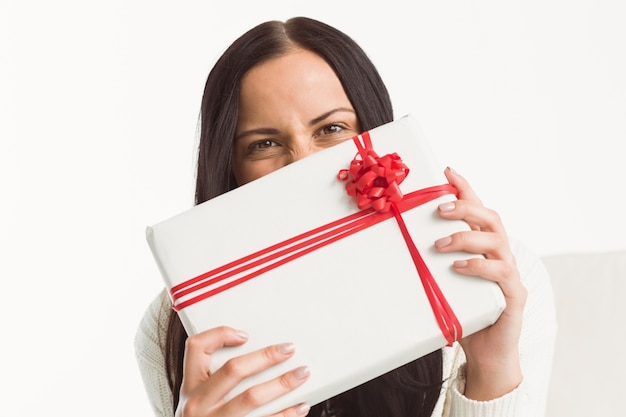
{"x": 99, "y": 104}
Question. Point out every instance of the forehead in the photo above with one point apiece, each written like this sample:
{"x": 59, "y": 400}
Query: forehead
{"x": 298, "y": 78}
{"x": 296, "y": 63}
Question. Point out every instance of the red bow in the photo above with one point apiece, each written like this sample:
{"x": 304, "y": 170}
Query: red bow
{"x": 374, "y": 180}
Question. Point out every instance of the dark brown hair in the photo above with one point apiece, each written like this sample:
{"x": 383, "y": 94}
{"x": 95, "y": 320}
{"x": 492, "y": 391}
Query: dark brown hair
{"x": 412, "y": 389}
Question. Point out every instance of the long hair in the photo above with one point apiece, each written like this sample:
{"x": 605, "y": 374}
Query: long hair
{"x": 412, "y": 389}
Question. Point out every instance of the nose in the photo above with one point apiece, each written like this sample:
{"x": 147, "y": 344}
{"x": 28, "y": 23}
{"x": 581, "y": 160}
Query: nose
{"x": 302, "y": 151}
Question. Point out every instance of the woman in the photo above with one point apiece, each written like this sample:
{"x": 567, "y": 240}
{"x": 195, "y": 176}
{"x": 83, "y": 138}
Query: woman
{"x": 279, "y": 93}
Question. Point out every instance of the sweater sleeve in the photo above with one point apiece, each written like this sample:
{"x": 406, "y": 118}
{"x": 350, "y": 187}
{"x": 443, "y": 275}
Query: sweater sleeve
{"x": 149, "y": 351}
{"x": 536, "y": 351}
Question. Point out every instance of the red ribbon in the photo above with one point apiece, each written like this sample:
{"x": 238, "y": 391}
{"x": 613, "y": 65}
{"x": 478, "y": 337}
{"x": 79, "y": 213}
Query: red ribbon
{"x": 374, "y": 182}
{"x": 379, "y": 198}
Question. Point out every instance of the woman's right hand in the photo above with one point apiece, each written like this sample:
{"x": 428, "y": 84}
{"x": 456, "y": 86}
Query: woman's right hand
{"x": 202, "y": 393}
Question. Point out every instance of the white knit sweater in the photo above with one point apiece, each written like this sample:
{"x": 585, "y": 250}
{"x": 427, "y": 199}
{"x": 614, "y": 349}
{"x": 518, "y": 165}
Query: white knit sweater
{"x": 527, "y": 400}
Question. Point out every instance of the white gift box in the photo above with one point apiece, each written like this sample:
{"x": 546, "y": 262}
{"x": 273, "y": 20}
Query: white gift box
{"x": 355, "y": 308}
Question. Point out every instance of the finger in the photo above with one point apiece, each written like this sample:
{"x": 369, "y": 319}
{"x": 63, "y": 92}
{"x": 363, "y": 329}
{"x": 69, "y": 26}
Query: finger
{"x": 237, "y": 369}
{"x": 198, "y": 350}
{"x": 299, "y": 410}
{"x": 261, "y": 394}
{"x": 490, "y": 244}
{"x": 477, "y": 216}
{"x": 296, "y": 411}
{"x": 465, "y": 192}
{"x": 503, "y": 273}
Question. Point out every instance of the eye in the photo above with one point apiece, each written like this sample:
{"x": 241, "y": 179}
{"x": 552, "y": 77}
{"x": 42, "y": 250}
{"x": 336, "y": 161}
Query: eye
{"x": 334, "y": 133}
{"x": 332, "y": 129}
{"x": 261, "y": 145}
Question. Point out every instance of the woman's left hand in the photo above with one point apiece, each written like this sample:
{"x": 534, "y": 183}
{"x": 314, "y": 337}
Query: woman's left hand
{"x": 493, "y": 366}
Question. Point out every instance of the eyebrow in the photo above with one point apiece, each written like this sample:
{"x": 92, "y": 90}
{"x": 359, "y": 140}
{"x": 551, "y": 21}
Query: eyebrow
{"x": 329, "y": 113}
{"x": 312, "y": 122}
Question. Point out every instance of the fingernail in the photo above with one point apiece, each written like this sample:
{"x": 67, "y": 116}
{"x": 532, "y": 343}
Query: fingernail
{"x": 460, "y": 264}
{"x": 241, "y": 334}
{"x": 445, "y": 207}
{"x": 303, "y": 409}
{"x": 301, "y": 372}
{"x": 287, "y": 348}
{"x": 444, "y": 241}
{"x": 453, "y": 171}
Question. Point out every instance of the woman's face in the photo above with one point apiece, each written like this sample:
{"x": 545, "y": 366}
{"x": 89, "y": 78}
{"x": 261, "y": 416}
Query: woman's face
{"x": 289, "y": 107}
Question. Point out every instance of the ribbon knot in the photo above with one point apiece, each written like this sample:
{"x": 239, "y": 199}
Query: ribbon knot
{"x": 373, "y": 180}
